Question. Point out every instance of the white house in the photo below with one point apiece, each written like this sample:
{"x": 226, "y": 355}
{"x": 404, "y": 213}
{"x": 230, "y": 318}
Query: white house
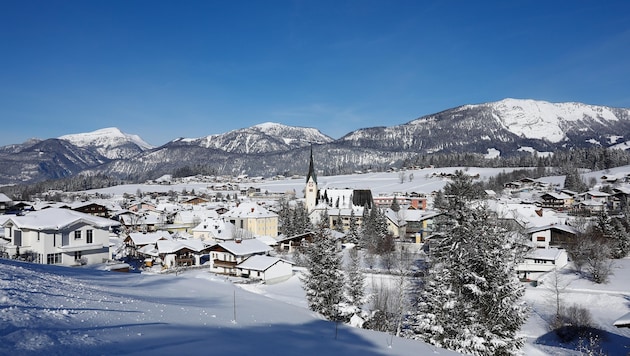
{"x": 551, "y": 235}
{"x": 540, "y": 261}
{"x": 226, "y": 255}
{"x": 253, "y": 218}
{"x": 218, "y": 229}
{"x": 180, "y": 252}
{"x": 59, "y": 236}
{"x": 267, "y": 268}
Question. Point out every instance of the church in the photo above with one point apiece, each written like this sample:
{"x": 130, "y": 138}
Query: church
{"x": 339, "y": 203}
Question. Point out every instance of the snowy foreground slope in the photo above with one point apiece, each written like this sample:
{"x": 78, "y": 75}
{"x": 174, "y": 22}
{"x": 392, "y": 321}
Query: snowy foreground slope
{"x": 58, "y": 310}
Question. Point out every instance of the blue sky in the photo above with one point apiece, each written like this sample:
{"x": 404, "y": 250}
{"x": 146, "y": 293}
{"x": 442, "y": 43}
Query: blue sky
{"x": 169, "y": 69}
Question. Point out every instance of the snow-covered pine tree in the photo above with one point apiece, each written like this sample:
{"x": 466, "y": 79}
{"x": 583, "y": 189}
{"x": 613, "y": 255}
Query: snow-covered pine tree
{"x": 339, "y": 222}
{"x": 353, "y": 230}
{"x": 301, "y": 221}
{"x": 470, "y": 301}
{"x": 395, "y": 206}
{"x": 323, "y": 280}
{"x": 355, "y": 280}
{"x": 284, "y": 216}
{"x": 614, "y": 233}
{"x": 621, "y": 241}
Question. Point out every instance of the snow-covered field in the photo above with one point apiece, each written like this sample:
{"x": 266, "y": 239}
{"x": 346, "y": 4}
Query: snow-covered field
{"x": 80, "y": 311}
{"x": 422, "y": 181}
{"x": 84, "y": 311}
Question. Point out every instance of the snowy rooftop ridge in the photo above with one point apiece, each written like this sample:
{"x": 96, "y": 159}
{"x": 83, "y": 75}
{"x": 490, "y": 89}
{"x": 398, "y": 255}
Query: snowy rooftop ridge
{"x": 58, "y": 218}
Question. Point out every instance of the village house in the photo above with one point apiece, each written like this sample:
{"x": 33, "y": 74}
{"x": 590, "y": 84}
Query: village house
{"x": 195, "y": 201}
{"x": 540, "y": 261}
{"x": 410, "y": 224}
{"x": 554, "y": 235}
{"x": 175, "y": 253}
{"x": 253, "y": 218}
{"x": 226, "y": 255}
{"x": 59, "y": 236}
{"x": 136, "y": 242}
{"x": 187, "y": 219}
{"x": 143, "y": 220}
{"x": 5, "y": 203}
{"x": 413, "y": 200}
{"x": 343, "y": 216}
{"x": 266, "y": 268}
{"x": 219, "y": 230}
{"x": 92, "y": 208}
{"x": 556, "y": 201}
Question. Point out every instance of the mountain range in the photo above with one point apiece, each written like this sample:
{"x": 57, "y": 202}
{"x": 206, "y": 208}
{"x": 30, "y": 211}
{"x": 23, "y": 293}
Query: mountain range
{"x": 509, "y": 126}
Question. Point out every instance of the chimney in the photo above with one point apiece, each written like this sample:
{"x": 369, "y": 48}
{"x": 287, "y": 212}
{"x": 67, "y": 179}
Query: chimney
{"x": 539, "y": 212}
{"x": 238, "y": 240}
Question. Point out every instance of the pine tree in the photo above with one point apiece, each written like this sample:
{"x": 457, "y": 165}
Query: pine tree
{"x": 323, "y": 280}
{"x": 395, "y": 206}
{"x": 355, "y": 286}
{"x": 339, "y": 222}
{"x": 353, "y": 230}
{"x": 471, "y": 299}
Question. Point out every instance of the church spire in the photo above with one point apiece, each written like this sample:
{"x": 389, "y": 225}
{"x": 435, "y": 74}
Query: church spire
{"x": 310, "y": 192}
{"x": 311, "y": 169}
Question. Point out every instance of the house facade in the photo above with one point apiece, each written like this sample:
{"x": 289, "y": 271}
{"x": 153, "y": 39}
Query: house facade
{"x": 540, "y": 261}
{"x": 266, "y": 268}
{"x": 226, "y": 255}
{"x": 59, "y": 236}
{"x": 253, "y": 218}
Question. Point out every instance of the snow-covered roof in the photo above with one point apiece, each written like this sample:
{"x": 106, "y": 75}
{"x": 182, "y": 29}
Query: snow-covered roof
{"x": 591, "y": 202}
{"x": 190, "y": 216}
{"x": 57, "y": 219}
{"x": 561, "y": 227}
{"x": 527, "y": 215}
{"x": 245, "y": 247}
{"x": 142, "y": 238}
{"x": 149, "y": 250}
{"x": 4, "y": 198}
{"x": 548, "y": 254}
{"x": 268, "y": 240}
{"x": 597, "y": 193}
{"x": 260, "y": 263}
{"x": 623, "y": 322}
{"x": 172, "y": 246}
{"x": 622, "y": 189}
{"x": 557, "y": 196}
{"x": 216, "y": 228}
{"x": 249, "y": 210}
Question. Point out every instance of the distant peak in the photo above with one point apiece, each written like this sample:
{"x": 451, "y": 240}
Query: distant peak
{"x": 268, "y": 125}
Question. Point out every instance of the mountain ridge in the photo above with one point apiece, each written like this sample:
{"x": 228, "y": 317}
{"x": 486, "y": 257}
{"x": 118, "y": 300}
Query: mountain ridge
{"x": 509, "y": 127}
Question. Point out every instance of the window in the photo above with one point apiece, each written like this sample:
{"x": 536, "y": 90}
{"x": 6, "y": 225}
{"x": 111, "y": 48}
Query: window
{"x": 77, "y": 255}
{"x": 53, "y": 258}
{"x": 540, "y": 238}
{"x": 77, "y": 234}
{"x": 89, "y": 235}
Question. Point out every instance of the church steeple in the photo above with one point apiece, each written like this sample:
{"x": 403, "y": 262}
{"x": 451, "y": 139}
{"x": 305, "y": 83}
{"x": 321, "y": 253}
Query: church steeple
{"x": 310, "y": 191}
{"x": 311, "y": 170}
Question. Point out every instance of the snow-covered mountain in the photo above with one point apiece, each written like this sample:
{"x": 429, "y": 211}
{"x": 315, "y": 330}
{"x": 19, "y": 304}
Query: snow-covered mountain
{"x": 37, "y": 160}
{"x": 263, "y": 138}
{"x": 109, "y": 142}
{"x": 507, "y": 126}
